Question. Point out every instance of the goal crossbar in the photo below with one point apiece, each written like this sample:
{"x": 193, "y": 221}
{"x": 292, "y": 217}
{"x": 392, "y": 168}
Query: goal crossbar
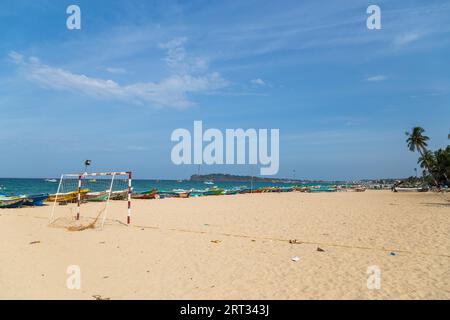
{"x": 97, "y": 174}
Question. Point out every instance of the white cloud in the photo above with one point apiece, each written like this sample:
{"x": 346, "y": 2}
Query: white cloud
{"x": 376, "y": 78}
{"x": 178, "y": 59}
{"x": 116, "y": 70}
{"x": 406, "y": 38}
{"x": 258, "y": 82}
{"x": 171, "y": 91}
{"x": 15, "y": 57}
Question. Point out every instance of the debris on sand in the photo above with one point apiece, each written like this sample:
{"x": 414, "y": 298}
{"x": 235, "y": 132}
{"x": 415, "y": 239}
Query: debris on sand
{"x": 294, "y": 241}
{"x": 320, "y": 249}
{"x": 99, "y": 297}
{"x": 34, "y": 242}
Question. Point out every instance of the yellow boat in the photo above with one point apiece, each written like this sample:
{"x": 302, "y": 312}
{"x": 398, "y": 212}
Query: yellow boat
{"x": 67, "y": 197}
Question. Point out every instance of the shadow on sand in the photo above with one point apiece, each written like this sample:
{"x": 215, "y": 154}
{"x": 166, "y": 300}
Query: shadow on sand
{"x": 437, "y": 205}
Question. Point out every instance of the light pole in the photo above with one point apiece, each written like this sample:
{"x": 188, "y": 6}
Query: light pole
{"x": 87, "y": 163}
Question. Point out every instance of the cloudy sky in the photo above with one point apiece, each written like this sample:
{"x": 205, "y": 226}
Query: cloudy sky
{"x": 341, "y": 95}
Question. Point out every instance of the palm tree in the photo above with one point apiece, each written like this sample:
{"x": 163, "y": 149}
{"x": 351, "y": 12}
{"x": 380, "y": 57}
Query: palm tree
{"x": 442, "y": 163}
{"x": 418, "y": 141}
{"x": 427, "y": 160}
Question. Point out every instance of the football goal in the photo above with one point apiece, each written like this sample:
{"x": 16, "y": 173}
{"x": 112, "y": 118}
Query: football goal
{"x": 84, "y": 200}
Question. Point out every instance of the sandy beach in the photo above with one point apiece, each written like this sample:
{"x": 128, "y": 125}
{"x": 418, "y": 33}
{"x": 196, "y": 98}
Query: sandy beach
{"x": 237, "y": 247}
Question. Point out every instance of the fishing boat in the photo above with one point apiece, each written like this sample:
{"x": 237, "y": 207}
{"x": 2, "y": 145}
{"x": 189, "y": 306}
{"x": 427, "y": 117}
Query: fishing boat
{"x": 67, "y": 197}
{"x": 232, "y": 191}
{"x": 35, "y": 199}
{"x": 197, "y": 193}
{"x": 168, "y": 194}
{"x": 62, "y": 197}
{"x": 410, "y": 189}
{"x": 11, "y": 202}
{"x": 151, "y": 194}
{"x": 214, "y": 192}
{"x": 139, "y": 196}
{"x": 176, "y": 193}
{"x": 183, "y": 194}
{"x": 148, "y": 194}
{"x": 354, "y": 188}
{"x": 51, "y": 180}
{"x": 316, "y": 190}
{"x": 180, "y": 193}
{"x": 277, "y": 189}
{"x": 96, "y": 196}
{"x": 119, "y": 195}
{"x": 249, "y": 190}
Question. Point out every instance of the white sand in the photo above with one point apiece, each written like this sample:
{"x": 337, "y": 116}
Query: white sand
{"x": 168, "y": 251}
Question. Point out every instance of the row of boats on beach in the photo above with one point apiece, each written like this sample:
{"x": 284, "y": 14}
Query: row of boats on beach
{"x": 22, "y": 200}
{"x": 86, "y": 195}
{"x": 37, "y": 200}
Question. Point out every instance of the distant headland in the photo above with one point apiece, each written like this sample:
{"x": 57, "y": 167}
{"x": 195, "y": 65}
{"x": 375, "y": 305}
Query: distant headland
{"x": 221, "y": 177}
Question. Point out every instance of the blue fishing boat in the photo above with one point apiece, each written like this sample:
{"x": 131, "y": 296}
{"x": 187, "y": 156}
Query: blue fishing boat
{"x": 197, "y": 193}
{"x": 11, "y": 202}
{"x": 315, "y": 190}
{"x": 169, "y": 193}
{"x": 36, "y": 199}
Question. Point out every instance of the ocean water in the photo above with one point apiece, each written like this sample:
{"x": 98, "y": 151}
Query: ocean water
{"x": 32, "y": 186}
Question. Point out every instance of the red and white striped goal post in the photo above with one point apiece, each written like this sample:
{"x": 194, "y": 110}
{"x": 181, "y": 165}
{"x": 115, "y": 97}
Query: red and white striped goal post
{"x": 80, "y": 177}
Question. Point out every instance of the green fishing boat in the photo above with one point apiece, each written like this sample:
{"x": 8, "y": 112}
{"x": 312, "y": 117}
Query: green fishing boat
{"x": 97, "y": 196}
{"x": 214, "y": 192}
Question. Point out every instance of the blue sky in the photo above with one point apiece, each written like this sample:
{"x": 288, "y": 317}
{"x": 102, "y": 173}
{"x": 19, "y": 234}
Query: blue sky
{"x": 341, "y": 95}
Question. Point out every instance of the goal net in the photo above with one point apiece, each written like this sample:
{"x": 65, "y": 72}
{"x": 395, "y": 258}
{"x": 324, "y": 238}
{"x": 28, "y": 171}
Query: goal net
{"x": 84, "y": 201}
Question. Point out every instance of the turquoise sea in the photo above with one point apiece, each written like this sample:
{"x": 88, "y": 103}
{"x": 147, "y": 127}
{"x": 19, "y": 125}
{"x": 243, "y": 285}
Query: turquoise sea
{"x": 32, "y": 186}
